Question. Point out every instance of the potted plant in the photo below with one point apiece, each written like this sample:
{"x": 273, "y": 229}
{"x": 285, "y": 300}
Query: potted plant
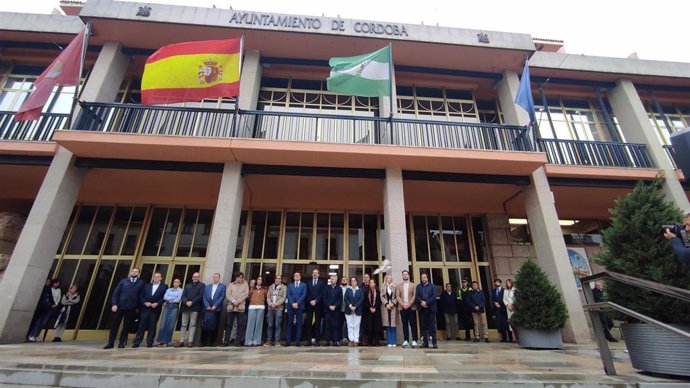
{"x": 635, "y": 246}
{"x": 539, "y": 309}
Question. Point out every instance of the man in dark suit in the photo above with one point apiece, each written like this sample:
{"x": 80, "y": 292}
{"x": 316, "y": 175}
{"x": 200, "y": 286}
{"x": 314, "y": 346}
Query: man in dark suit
{"x": 500, "y": 312}
{"x": 425, "y": 295}
{"x": 315, "y": 291}
{"x": 214, "y": 294}
{"x": 296, "y": 295}
{"x": 151, "y": 303}
{"x": 192, "y": 307}
{"x": 332, "y": 306}
{"x": 125, "y": 301}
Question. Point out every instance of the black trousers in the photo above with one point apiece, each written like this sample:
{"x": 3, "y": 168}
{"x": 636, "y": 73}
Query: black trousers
{"x": 121, "y": 315}
{"x": 333, "y": 325}
{"x": 147, "y": 323}
{"x": 241, "y": 326}
{"x": 210, "y": 325}
{"x": 428, "y": 320}
{"x": 313, "y": 321}
{"x": 408, "y": 318}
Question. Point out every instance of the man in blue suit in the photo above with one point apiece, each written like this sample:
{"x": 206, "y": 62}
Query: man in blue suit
{"x": 125, "y": 301}
{"x": 214, "y": 294}
{"x": 426, "y": 304}
{"x": 150, "y": 306}
{"x": 296, "y": 294}
{"x": 314, "y": 306}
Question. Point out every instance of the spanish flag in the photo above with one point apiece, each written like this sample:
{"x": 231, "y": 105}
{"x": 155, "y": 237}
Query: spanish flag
{"x": 192, "y": 71}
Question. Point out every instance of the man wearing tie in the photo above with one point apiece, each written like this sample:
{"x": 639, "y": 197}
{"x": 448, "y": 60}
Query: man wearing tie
{"x": 124, "y": 300}
{"x": 214, "y": 294}
{"x": 315, "y": 289}
{"x": 151, "y": 303}
{"x": 500, "y": 310}
{"x": 296, "y": 295}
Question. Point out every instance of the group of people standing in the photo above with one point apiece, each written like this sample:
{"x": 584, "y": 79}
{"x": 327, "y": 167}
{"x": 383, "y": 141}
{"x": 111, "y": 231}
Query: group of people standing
{"x": 333, "y": 311}
{"x": 54, "y": 307}
{"x": 468, "y": 306}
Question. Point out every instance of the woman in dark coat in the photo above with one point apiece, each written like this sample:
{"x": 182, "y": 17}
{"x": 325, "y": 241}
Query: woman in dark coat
{"x": 372, "y": 314}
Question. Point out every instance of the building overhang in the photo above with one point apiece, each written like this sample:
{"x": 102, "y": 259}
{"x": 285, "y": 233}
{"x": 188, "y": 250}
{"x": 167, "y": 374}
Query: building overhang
{"x": 288, "y": 153}
{"x": 149, "y": 26}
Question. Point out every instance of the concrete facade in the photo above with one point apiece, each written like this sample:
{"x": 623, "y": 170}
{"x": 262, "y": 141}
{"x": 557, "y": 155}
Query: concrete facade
{"x": 452, "y": 168}
{"x": 226, "y": 221}
{"x": 552, "y": 254}
{"x": 636, "y": 128}
{"x": 394, "y": 216}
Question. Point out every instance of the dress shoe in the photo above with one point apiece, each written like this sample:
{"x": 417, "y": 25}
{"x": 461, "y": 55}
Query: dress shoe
{"x": 424, "y": 345}
{"x": 109, "y": 346}
{"x": 476, "y": 340}
{"x": 179, "y": 344}
{"x": 190, "y": 345}
{"x": 435, "y": 346}
{"x": 57, "y": 339}
{"x": 486, "y": 340}
{"x": 135, "y": 346}
{"x": 149, "y": 345}
{"x": 122, "y": 346}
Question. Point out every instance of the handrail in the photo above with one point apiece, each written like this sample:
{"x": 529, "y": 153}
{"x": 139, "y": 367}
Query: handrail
{"x": 671, "y": 291}
{"x": 595, "y": 153}
{"x": 594, "y": 310}
{"x": 299, "y": 126}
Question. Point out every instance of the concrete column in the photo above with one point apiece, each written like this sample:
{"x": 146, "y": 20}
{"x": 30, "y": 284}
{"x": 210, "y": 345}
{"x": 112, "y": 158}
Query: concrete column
{"x": 395, "y": 225}
{"x": 35, "y": 250}
{"x": 11, "y": 225}
{"x": 106, "y": 76}
{"x": 250, "y": 80}
{"x": 634, "y": 123}
{"x": 226, "y": 221}
{"x": 507, "y": 88}
{"x": 552, "y": 254}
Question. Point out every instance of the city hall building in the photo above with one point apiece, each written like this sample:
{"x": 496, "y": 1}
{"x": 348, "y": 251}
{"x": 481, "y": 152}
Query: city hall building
{"x": 448, "y": 181}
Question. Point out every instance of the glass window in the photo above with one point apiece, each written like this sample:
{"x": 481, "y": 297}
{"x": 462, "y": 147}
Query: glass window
{"x": 98, "y": 231}
{"x": 240, "y": 234}
{"x": 420, "y": 238}
{"x": 355, "y": 237}
{"x": 81, "y": 230}
{"x": 575, "y": 119}
{"x": 337, "y": 236}
{"x": 257, "y": 233}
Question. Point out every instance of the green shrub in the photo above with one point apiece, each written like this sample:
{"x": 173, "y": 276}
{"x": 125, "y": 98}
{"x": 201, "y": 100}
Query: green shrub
{"x": 635, "y": 246}
{"x": 538, "y": 304}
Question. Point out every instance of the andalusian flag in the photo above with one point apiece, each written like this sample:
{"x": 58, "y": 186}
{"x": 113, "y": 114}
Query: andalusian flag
{"x": 192, "y": 71}
{"x": 367, "y": 75}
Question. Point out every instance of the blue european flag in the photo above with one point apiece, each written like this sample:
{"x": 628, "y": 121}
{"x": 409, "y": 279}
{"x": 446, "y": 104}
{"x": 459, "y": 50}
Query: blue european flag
{"x": 524, "y": 94}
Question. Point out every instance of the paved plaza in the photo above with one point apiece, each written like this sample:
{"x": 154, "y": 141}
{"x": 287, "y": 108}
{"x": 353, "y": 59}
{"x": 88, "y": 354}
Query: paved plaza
{"x": 85, "y": 364}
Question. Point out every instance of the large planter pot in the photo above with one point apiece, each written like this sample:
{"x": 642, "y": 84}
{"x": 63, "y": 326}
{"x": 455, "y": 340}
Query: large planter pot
{"x": 540, "y": 339}
{"x": 656, "y": 350}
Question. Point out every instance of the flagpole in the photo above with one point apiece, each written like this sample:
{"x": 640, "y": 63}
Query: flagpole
{"x": 237, "y": 98}
{"x": 390, "y": 88}
{"x": 75, "y": 98}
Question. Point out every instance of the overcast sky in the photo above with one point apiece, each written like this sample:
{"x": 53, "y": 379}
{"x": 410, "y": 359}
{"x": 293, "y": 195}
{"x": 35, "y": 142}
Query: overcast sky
{"x": 613, "y": 28}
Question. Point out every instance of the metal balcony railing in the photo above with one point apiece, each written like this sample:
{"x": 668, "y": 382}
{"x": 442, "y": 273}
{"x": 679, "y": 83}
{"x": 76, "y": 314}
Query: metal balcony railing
{"x": 293, "y": 126}
{"x": 36, "y": 130}
{"x": 595, "y": 153}
{"x": 671, "y": 155}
